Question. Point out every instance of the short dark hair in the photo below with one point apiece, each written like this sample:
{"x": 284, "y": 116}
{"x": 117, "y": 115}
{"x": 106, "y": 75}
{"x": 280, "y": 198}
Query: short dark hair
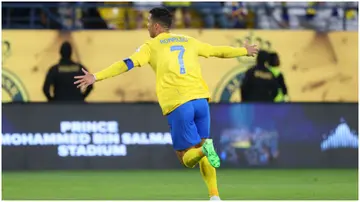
{"x": 162, "y": 16}
{"x": 262, "y": 57}
{"x": 66, "y": 50}
{"x": 274, "y": 59}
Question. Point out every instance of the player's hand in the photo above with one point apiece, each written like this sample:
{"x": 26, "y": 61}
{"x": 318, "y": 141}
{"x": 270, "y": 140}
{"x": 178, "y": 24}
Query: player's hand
{"x": 84, "y": 81}
{"x": 251, "y": 49}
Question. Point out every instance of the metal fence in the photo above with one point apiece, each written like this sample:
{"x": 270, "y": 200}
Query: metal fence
{"x": 36, "y": 13}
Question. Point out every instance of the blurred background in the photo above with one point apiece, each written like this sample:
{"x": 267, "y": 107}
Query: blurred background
{"x": 292, "y": 137}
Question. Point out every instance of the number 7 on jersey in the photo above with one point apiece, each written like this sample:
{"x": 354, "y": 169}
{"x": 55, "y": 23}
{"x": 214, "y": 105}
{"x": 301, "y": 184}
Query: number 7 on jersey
{"x": 180, "y": 57}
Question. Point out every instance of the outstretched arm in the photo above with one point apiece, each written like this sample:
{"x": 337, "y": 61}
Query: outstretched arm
{"x": 90, "y": 88}
{"x": 207, "y": 50}
{"x": 115, "y": 69}
{"x": 226, "y": 51}
{"x": 138, "y": 59}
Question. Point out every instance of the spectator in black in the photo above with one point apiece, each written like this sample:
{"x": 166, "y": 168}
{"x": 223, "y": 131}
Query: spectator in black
{"x": 274, "y": 66}
{"x": 259, "y": 84}
{"x": 61, "y": 78}
{"x": 91, "y": 19}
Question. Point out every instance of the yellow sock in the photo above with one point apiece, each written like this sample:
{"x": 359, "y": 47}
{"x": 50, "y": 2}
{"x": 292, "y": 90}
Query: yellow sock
{"x": 192, "y": 157}
{"x": 209, "y": 175}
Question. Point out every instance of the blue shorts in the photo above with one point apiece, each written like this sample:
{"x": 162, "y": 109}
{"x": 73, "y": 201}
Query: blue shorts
{"x": 189, "y": 123}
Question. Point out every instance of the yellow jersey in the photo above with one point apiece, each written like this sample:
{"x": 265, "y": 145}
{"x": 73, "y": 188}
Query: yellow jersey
{"x": 175, "y": 61}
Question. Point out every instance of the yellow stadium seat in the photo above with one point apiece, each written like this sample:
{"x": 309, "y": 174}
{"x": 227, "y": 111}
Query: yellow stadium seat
{"x": 114, "y": 16}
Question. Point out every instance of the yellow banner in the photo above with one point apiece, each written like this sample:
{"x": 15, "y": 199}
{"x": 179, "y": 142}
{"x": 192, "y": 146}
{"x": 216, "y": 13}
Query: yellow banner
{"x": 317, "y": 67}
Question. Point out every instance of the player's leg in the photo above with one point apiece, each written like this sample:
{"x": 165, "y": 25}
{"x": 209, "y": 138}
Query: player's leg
{"x": 206, "y": 148}
{"x": 180, "y": 154}
{"x": 208, "y": 172}
{"x": 202, "y": 122}
{"x": 186, "y": 140}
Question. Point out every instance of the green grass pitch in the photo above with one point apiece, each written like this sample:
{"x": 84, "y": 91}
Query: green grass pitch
{"x": 180, "y": 185}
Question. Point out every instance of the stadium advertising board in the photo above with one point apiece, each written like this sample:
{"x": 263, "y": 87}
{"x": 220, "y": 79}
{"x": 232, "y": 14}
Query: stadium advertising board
{"x": 122, "y": 136}
{"x": 286, "y": 135}
{"x": 46, "y": 136}
{"x": 314, "y": 65}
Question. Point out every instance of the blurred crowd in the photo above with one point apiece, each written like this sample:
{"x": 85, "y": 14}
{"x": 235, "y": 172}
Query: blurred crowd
{"x": 238, "y": 15}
